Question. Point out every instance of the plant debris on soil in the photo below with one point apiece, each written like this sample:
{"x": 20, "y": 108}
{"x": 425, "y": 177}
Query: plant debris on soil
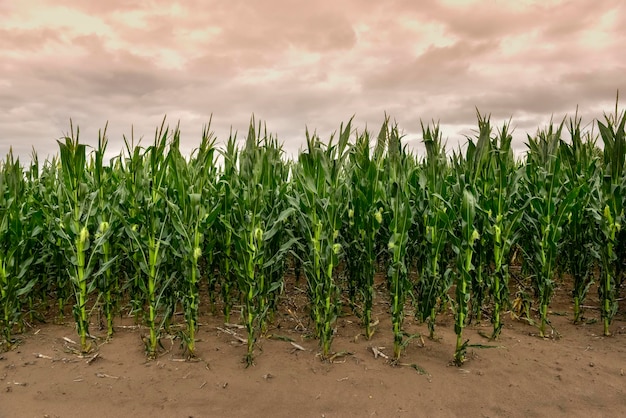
{"x": 578, "y": 374}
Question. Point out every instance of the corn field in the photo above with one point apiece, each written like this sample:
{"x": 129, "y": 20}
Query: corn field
{"x": 474, "y": 232}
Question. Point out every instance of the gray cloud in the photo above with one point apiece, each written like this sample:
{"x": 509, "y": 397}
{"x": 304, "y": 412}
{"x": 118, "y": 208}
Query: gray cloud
{"x": 446, "y": 67}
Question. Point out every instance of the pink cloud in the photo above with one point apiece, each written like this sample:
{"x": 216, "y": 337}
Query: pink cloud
{"x": 132, "y": 62}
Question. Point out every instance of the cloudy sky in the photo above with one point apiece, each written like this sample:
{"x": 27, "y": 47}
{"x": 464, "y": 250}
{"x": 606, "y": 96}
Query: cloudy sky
{"x": 133, "y": 62}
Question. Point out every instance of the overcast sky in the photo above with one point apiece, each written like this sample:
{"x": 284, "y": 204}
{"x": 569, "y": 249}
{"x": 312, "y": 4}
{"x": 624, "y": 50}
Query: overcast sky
{"x": 296, "y": 64}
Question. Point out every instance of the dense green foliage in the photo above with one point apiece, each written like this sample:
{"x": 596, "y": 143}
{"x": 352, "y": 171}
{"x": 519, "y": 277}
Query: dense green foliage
{"x": 149, "y": 231}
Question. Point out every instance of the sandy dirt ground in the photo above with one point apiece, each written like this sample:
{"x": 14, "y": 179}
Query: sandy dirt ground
{"x": 577, "y": 373}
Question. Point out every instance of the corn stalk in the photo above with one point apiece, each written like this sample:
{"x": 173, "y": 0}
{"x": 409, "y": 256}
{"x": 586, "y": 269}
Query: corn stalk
{"x": 611, "y": 217}
{"x": 193, "y": 210}
{"x": 471, "y": 171}
{"x": 580, "y": 249}
{"x": 434, "y": 281}
{"x": 227, "y": 188}
{"x": 401, "y": 213}
{"x": 147, "y": 225}
{"x": 551, "y": 200}
{"x": 76, "y": 218}
{"x": 107, "y": 282}
{"x": 365, "y": 216}
{"x": 258, "y": 231}
{"x": 17, "y": 231}
{"x": 318, "y": 201}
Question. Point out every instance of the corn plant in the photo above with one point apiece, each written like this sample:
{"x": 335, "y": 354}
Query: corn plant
{"x": 55, "y": 279}
{"x": 610, "y": 215}
{"x": 35, "y": 227}
{"x": 551, "y": 200}
{"x": 107, "y": 281}
{"x": 464, "y": 247}
{"x": 501, "y": 204}
{"x": 16, "y": 244}
{"x": 258, "y": 230}
{"x": 227, "y": 189}
{"x": 468, "y": 170}
{"x": 193, "y": 210}
{"x": 435, "y": 278}
{"x": 580, "y": 250}
{"x": 400, "y": 168}
{"x": 472, "y": 172}
{"x": 278, "y": 236}
{"x": 148, "y": 228}
{"x": 75, "y": 229}
{"x": 75, "y": 222}
{"x": 130, "y": 195}
{"x": 365, "y": 216}
{"x": 318, "y": 201}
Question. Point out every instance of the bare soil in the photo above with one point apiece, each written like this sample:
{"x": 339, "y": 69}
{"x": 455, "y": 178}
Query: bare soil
{"x": 576, "y": 373}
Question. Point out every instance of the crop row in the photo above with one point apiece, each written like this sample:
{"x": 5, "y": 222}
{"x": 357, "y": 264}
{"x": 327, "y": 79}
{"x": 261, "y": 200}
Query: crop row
{"x": 147, "y": 230}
